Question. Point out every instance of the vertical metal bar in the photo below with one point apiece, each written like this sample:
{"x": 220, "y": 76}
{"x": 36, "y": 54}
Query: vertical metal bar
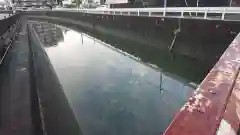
{"x": 223, "y": 14}
{"x": 230, "y": 3}
{"x": 165, "y": 3}
{"x": 182, "y": 14}
{"x": 205, "y": 14}
{"x": 197, "y": 7}
{"x": 161, "y": 81}
{"x": 138, "y": 12}
{"x": 82, "y": 37}
{"x": 149, "y": 13}
{"x": 164, "y": 12}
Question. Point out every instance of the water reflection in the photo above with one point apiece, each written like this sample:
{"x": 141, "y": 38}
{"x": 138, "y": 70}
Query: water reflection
{"x": 111, "y": 93}
{"x": 48, "y": 34}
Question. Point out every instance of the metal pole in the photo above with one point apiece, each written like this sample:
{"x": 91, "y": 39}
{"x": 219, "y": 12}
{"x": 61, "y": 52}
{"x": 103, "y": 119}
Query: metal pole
{"x": 82, "y": 37}
{"x": 165, "y": 3}
{"x": 230, "y": 4}
{"x": 161, "y": 81}
{"x": 197, "y": 6}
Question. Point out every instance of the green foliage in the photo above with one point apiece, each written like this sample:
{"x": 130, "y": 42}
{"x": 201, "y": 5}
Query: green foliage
{"x": 78, "y": 2}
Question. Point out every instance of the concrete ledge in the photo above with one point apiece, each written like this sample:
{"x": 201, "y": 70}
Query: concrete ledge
{"x": 56, "y": 114}
{"x": 15, "y": 107}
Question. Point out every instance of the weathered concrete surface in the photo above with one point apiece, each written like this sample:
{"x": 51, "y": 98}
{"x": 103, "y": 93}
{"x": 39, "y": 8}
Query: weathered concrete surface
{"x": 204, "y": 111}
{"x": 57, "y": 116}
{"x": 31, "y": 100}
{"x": 15, "y": 112}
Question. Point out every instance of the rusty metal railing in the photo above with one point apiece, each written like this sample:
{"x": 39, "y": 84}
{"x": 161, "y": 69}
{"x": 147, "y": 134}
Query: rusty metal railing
{"x": 214, "y": 107}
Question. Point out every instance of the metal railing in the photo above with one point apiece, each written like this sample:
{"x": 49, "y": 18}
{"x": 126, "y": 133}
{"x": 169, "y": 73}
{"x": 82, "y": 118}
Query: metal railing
{"x": 6, "y": 40}
{"x": 175, "y": 12}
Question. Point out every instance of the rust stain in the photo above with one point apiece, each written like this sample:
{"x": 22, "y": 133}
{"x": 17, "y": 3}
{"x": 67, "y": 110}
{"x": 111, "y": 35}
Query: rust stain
{"x": 231, "y": 115}
{"x": 213, "y": 101}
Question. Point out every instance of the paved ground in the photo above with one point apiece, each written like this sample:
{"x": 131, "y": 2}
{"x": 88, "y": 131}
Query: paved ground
{"x": 15, "y": 113}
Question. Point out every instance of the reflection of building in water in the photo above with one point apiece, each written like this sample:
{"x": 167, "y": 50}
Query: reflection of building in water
{"x": 49, "y": 34}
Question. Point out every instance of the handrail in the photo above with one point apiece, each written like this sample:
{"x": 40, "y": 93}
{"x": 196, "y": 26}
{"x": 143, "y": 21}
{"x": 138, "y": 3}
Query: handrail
{"x": 212, "y": 102}
{"x": 167, "y": 9}
{"x": 207, "y": 12}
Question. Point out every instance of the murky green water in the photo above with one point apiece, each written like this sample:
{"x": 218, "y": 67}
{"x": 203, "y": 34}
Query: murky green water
{"x": 110, "y": 91}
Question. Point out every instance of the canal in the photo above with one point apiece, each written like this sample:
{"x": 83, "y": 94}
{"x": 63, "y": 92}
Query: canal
{"x": 112, "y": 86}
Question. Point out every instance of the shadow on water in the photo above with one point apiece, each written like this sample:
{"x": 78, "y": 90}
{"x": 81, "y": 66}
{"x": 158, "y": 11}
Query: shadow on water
{"x": 57, "y": 117}
{"x": 109, "y": 93}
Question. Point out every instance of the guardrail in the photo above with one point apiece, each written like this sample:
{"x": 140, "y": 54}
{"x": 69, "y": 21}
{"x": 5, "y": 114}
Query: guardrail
{"x": 6, "y": 40}
{"x": 213, "y": 109}
{"x": 215, "y": 13}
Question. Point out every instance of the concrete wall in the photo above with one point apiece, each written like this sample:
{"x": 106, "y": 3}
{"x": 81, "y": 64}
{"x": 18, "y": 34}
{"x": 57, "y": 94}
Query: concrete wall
{"x": 58, "y": 119}
{"x": 201, "y": 39}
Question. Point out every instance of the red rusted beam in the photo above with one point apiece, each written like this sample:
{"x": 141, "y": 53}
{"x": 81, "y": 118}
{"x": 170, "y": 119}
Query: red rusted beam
{"x": 203, "y": 113}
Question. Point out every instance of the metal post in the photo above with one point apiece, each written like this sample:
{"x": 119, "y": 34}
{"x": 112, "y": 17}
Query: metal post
{"x": 223, "y": 14}
{"x": 197, "y": 6}
{"x": 165, "y": 3}
{"x": 161, "y": 81}
{"x": 230, "y": 4}
{"x": 205, "y": 14}
{"x": 82, "y": 37}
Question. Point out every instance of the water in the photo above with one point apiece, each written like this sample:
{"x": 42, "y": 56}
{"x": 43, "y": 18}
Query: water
{"x": 110, "y": 91}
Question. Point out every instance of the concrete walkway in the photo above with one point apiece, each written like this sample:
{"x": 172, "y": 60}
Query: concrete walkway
{"x": 15, "y": 113}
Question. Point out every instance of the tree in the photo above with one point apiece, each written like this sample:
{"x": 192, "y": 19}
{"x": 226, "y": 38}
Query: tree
{"x": 78, "y": 2}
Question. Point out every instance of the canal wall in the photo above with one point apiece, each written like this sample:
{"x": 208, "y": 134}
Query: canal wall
{"x": 199, "y": 39}
{"x": 56, "y": 119}
{"x": 166, "y": 61}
